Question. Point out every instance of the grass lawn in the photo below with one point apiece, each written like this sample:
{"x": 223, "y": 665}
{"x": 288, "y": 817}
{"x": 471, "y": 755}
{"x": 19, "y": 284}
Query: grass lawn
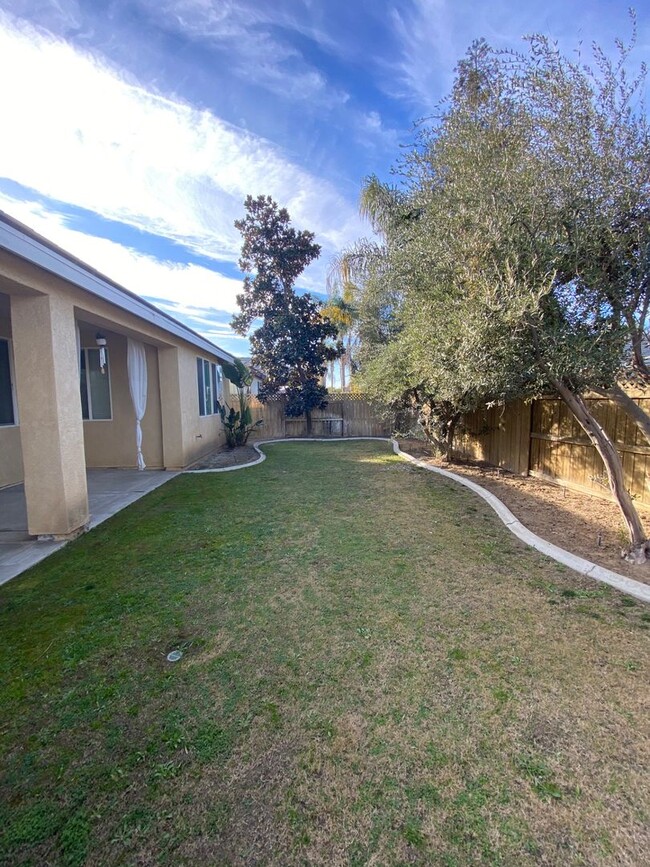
{"x": 375, "y": 672}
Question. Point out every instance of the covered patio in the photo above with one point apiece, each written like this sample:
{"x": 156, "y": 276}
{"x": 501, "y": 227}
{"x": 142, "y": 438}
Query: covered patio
{"x": 92, "y": 377}
{"x": 109, "y": 491}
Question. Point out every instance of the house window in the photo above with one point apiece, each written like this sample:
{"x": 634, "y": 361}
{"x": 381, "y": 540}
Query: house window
{"x": 209, "y": 381}
{"x": 95, "y": 387}
{"x": 7, "y": 409}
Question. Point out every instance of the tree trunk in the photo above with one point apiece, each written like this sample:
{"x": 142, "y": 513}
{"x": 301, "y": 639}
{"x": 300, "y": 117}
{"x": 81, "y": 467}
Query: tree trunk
{"x": 451, "y": 429}
{"x": 636, "y": 336}
{"x": 342, "y": 361}
{"x": 640, "y": 418}
{"x": 639, "y": 546}
{"x": 348, "y": 357}
{"x": 438, "y": 421}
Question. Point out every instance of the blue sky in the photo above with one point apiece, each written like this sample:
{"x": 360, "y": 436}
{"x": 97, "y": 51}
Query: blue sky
{"x": 133, "y": 129}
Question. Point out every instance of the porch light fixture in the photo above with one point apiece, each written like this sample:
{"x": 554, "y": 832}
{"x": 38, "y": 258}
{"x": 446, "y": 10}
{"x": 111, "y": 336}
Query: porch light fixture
{"x": 101, "y": 342}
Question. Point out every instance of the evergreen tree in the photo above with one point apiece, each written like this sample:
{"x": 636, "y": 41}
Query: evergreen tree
{"x": 294, "y": 342}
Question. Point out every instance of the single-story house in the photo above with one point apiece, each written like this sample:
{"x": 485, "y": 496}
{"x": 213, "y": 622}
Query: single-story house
{"x": 91, "y": 375}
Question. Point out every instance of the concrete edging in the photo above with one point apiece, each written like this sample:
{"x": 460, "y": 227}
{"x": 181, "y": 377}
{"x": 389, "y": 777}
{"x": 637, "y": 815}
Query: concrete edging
{"x": 262, "y": 456}
{"x": 584, "y": 567}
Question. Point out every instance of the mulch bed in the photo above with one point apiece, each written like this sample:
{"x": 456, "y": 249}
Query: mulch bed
{"x": 588, "y": 526}
{"x": 226, "y": 457}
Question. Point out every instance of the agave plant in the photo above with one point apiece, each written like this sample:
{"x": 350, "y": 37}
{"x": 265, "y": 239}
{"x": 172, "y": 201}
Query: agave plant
{"x": 238, "y": 424}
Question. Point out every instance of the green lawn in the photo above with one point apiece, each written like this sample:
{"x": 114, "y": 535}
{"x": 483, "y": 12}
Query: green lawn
{"x": 375, "y": 672}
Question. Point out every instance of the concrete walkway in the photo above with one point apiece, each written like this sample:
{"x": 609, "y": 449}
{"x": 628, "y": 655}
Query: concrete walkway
{"x": 109, "y": 491}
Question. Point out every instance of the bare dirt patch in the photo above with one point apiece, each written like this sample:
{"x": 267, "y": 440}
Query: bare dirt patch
{"x": 226, "y": 457}
{"x": 584, "y": 525}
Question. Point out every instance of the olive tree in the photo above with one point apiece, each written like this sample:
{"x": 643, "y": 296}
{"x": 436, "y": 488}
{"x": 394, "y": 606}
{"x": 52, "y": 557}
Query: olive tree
{"x": 494, "y": 297}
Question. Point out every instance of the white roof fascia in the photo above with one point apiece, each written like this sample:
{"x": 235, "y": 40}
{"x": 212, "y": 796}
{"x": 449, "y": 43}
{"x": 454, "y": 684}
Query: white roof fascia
{"x": 49, "y": 260}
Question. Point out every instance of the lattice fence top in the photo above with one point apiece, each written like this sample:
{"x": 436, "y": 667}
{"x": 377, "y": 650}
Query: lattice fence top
{"x": 331, "y": 396}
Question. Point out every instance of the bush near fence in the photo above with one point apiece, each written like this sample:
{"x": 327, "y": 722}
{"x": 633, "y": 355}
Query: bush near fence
{"x": 348, "y": 415}
{"x": 543, "y": 439}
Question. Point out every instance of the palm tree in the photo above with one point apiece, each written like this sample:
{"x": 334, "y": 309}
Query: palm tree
{"x": 341, "y": 311}
{"x": 386, "y": 209}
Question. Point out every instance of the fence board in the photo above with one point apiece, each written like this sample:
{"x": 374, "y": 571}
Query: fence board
{"x": 498, "y": 436}
{"x": 544, "y": 439}
{"x": 347, "y": 415}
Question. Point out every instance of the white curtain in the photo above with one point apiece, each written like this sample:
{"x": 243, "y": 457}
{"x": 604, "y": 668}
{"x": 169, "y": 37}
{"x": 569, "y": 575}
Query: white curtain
{"x": 137, "y": 367}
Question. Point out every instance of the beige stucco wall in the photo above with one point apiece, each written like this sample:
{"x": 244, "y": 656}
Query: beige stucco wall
{"x": 11, "y": 465}
{"x": 51, "y": 431}
{"x": 201, "y": 434}
{"x": 112, "y": 443}
{"x": 11, "y": 461}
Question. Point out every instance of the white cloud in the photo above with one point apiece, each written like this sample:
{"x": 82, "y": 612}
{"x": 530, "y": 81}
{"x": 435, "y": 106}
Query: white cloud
{"x": 77, "y": 131}
{"x": 433, "y": 35}
{"x": 51, "y": 13}
{"x": 168, "y": 281}
{"x": 372, "y": 132}
{"x": 426, "y": 32}
{"x": 247, "y": 31}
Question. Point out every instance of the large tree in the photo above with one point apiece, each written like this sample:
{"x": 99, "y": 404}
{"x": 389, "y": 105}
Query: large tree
{"x": 478, "y": 292}
{"x": 295, "y": 341}
{"x": 592, "y": 128}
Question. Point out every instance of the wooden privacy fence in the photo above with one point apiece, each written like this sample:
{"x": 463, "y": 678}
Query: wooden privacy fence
{"x": 346, "y": 415}
{"x": 543, "y": 439}
{"x": 540, "y": 438}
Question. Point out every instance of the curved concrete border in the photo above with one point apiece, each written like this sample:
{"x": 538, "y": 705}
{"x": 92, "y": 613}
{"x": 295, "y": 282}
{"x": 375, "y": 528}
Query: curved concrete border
{"x": 578, "y": 564}
{"x": 262, "y": 456}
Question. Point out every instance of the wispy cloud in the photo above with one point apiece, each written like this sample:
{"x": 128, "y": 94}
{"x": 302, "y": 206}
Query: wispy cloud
{"x": 428, "y": 51}
{"x": 250, "y": 35}
{"x": 52, "y": 14}
{"x": 371, "y": 131}
{"x": 433, "y": 35}
{"x": 166, "y": 282}
{"x": 77, "y": 131}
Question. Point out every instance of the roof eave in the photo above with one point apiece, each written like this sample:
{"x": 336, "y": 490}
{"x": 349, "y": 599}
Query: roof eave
{"x": 23, "y": 242}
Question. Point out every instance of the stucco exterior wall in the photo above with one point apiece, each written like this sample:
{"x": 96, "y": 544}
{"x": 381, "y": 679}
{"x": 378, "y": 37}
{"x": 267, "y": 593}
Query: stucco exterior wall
{"x": 112, "y": 443}
{"x": 11, "y": 464}
{"x": 201, "y": 434}
{"x": 51, "y": 431}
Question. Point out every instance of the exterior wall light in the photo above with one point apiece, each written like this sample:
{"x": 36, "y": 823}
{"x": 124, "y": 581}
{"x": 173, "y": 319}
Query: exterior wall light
{"x": 101, "y": 343}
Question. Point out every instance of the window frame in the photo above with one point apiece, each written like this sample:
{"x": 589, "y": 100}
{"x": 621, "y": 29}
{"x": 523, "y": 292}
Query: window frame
{"x": 89, "y": 401}
{"x": 209, "y": 393}
{"x": 12, "y": 385}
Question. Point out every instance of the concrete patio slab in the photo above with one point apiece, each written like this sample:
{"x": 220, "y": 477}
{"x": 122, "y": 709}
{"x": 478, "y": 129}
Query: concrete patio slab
{"x": 109, "y": 491}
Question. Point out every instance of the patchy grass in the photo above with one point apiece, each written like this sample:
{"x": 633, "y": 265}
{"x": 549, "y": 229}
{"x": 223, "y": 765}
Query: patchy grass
{"x": 374, "y": 672}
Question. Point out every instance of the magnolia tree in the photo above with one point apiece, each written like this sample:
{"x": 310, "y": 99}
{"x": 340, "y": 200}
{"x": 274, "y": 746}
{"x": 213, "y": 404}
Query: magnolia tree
{"x": 294, "y": 342}
{"x": 514, "y": 255}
